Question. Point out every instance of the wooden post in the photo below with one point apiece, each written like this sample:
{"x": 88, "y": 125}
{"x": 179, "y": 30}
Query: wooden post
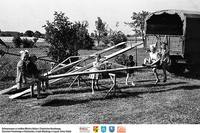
{"x": 114, "y": 86}
{"x": 32, "y": 90}
{"x": 136, "y": 56}
{"x": 78, "y": 79}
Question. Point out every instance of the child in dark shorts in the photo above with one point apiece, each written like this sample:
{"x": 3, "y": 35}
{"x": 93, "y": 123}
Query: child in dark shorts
{"x": 130, "y": 63}
{"x": 33, "y": 75}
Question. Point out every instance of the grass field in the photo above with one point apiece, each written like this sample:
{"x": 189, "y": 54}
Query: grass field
{"x": 176, "y": 101}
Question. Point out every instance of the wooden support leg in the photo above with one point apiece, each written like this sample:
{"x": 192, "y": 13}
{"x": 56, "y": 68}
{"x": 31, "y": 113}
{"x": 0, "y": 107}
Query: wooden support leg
{"x": 73, "y": 81}
{"x": 92, "y": 86}
{"x": 114, "y": 86}
{"x": 46, "y": 84}
{"x": 78, "y": 79}
{"x": 38, "y": 88}
{"x": 32, "y": 90}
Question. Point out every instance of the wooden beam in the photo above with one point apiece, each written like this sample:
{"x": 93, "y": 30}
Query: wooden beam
{"x": 99, "y": 71}
{"x": 123, "y": 50}
{"x": 8, "y": 89}
{"x": 109, "y": 57}
{"x": 85, "y": 58}
{"x": 29, "y": 90}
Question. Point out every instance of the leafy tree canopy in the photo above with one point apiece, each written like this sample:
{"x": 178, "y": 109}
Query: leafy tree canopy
{"x": 138, "y": 22}
{"x": 66, "y": 37}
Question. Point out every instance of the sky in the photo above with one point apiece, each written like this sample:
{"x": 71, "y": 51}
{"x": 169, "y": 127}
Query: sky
{"x": 22, "y": 15}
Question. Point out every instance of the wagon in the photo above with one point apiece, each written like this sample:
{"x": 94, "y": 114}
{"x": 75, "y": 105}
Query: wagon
{"x": 181, "y": 30}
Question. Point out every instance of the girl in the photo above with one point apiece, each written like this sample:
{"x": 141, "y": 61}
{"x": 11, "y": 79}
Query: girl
{"x": 21, "y": 69}
{"x": 130, "y": 63}
{"x": 95, "y": 77}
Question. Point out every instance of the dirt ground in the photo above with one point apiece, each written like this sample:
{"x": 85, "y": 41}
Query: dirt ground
{"x": 176, "y": 101}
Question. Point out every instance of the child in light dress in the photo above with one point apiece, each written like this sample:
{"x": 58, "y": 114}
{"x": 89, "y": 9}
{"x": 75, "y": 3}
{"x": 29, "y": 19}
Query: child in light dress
{"x": 95, "y": 77}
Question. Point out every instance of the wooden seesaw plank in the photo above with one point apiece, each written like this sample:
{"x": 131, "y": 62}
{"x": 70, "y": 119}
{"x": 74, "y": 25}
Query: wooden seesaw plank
{"x": 8, "y": 89}
{"x": 94, "y": 72}
{"x": 29, "y": 90}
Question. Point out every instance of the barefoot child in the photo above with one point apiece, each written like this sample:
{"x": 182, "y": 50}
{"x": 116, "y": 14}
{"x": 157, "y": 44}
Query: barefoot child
{"x": 130, "y": 63}
{"x": 95, "y": 77}
{"x": 21, "y": 69}
{"x": 33, "y": 75}
{"x": 154, "y": 61}
{"x": 165, "y": 60}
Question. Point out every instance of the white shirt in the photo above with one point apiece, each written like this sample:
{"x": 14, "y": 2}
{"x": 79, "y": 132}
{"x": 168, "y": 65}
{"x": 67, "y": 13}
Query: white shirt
{"x": 153, "y": 57}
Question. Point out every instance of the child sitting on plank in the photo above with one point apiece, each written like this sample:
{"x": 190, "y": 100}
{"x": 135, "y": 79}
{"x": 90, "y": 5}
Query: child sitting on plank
{"x": 154, "y": 61}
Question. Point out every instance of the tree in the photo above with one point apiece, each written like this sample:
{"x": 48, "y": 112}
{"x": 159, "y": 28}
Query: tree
{"x": 29, "y": 33}
{"x": 37, "y": 34}
{"x": 138, "y": 22}
{"x": 35, "y": 39}
{"x": 117, "y": 37}
{"x": 100, "y": 29}
{"x": 65, "y": 37}
{"x": 17, "y": 41}
{"x": 27, "y": 43}
{"x": 83, "y": 41}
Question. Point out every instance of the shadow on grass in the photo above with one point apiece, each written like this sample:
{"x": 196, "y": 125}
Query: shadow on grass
{"x": 153, "y": 85}
{"x": 119, "y": 94}
{"x": 145, "y": 80}
{"x": 191, "y": 87}
{"x": 84, "y": 90}
{"x": 64, "y": 102}
{"x": 162, "y": 84}
{"x": 191, "y": 75}
{"x": 14, "y": 91}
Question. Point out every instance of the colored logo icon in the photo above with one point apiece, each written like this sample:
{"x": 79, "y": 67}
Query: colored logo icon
{"x": 111, "y": 129}
{"x": 95, "y": 129}
{"x": 103, "y": 129}
{"x": 121, "y": 129}
{"x": 84, "y": 129}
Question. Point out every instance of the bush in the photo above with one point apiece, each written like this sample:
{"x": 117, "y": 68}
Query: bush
{"x": 17, "y": 41}
{"x": 27, "y": 43}
{"x": 105, "y": 40}
{"x": 29, "y": 33}
{"x": 7, "y": 69}
{"x": 118, "y": 37}
{"x": 122, "y": 59}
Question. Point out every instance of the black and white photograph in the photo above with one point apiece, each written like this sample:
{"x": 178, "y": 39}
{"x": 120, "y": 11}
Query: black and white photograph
{"x": 100, "y": 62}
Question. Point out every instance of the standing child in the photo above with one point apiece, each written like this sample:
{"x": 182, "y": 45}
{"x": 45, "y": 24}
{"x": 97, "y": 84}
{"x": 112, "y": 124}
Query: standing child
{"x": 130, "y": 63}
{"x": 165, "y": 60}
{"x": 21, "y": 69}
{"x": 33, "y": 74}
{"x": 95, "y": 77}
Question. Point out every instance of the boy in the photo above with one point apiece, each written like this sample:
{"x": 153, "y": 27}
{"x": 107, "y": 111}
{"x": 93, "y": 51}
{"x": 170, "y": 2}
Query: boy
{"x": 154, "y": 60}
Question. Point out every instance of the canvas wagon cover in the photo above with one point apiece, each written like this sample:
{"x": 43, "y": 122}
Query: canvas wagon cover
{"x": 183, "y": 15}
